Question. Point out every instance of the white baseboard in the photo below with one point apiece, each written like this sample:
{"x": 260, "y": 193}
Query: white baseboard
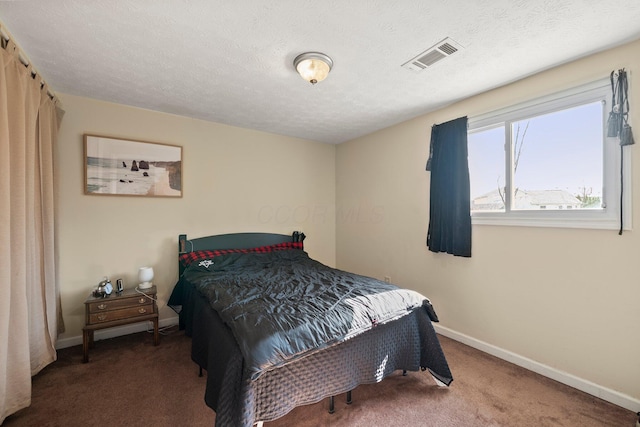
{"x": 117, "y": 331}
{"x": 586, "y": 386}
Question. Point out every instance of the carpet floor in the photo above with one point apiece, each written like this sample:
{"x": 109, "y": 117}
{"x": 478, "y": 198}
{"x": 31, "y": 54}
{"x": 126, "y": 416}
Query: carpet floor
{"x": 130, "y": 382}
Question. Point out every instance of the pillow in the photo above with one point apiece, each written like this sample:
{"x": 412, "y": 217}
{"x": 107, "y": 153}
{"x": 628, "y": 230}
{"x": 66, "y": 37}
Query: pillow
{"x": 188, "y": 258}
{"x": 285, "y": 246}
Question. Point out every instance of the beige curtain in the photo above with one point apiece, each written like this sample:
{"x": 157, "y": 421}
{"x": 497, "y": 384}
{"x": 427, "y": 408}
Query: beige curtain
{"x": 29, "y": 297}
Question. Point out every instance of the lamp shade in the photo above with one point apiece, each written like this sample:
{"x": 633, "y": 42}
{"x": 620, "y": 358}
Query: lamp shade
{"x": 145, "y": 275}
{"x": 313, "y": 66}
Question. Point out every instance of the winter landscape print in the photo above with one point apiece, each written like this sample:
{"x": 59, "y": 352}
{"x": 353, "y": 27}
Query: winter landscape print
{"x": 124, "y": 167}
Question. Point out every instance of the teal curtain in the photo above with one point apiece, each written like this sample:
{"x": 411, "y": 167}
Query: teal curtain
{"x": 449, "y": 211}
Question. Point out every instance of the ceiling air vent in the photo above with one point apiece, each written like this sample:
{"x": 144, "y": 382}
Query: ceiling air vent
{"x": 429, "y": 57}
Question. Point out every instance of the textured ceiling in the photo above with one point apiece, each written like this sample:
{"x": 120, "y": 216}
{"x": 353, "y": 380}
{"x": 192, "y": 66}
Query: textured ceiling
{"x": 231, "y": 61}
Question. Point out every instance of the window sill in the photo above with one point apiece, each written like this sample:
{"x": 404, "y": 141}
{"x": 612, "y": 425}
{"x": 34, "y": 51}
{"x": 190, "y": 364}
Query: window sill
{"x": 596, "y": 221}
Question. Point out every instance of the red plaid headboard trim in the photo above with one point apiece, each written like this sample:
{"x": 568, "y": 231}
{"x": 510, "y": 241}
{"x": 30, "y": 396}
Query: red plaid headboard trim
{"x": 188, "y": 258}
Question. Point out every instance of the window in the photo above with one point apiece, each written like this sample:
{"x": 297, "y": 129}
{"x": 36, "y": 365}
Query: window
{"x": 548, "y": 163}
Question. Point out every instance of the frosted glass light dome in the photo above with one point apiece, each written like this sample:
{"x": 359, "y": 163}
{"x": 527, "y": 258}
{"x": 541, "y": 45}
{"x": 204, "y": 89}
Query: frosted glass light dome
{"x": 313, "y": 66}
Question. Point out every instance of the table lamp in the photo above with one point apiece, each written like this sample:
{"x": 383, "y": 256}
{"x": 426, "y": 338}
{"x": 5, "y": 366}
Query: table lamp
{"x": 145, "y": 275}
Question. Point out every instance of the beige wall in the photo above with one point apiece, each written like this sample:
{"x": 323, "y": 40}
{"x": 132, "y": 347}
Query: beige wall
{"x": 565, "y": 298}
{"x": 234, "y": 180}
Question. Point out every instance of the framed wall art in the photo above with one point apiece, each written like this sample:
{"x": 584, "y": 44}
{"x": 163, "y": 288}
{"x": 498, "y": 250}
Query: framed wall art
{"x": 125, "y": 167}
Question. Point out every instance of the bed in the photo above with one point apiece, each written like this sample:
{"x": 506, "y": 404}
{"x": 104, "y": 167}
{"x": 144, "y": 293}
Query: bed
{"x": 275, "y": 329}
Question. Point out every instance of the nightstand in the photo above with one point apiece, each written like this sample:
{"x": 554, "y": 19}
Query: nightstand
{"x": 116, "y": 310}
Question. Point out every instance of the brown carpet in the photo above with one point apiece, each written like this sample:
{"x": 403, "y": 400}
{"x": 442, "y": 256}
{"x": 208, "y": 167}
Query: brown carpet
{"x": 128, "y": 381}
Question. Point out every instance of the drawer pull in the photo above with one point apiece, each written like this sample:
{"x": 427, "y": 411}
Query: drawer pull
{"x": 102, "y": 306}
{"x": 142, "y": 310}
{"x": 102, "y": 317}
{"x": 142, "y": 300}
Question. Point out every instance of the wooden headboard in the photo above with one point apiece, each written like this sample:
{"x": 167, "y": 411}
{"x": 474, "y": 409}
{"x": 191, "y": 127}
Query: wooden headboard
{"x": 230, "y": 241}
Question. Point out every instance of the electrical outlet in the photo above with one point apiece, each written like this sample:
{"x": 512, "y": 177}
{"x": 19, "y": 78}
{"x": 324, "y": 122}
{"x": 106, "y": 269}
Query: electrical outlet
{"x": 387, "y": 279}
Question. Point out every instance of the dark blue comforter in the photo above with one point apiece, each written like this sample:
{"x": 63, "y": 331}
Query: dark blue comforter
{"x": 283, "y": 305}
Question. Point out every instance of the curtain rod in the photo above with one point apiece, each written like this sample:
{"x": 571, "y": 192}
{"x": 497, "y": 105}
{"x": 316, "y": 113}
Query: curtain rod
{"x": 22, "y": 57}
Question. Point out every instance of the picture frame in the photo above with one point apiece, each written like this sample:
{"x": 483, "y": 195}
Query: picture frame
{"x": 128, "y": 167}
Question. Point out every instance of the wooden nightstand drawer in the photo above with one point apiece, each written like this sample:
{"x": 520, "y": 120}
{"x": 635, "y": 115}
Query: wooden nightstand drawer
{"x": 123, "y": 313}
{"x": 118, "y": 310}
{"x": 106, "y": 304}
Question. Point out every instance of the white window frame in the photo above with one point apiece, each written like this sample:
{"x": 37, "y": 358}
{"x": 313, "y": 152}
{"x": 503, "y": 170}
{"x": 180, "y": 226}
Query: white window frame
{"x": 607, "y": 218}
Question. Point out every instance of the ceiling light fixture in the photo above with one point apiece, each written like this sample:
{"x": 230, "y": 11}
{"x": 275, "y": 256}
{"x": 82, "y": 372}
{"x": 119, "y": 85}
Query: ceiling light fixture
{"x": 314, "y": 67}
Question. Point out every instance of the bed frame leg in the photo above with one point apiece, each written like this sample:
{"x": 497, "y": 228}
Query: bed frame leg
{"x": 349, "y": 401}
{"x": 404, "y": 372}
{"x": 332, "y": 408}
{"x": 200, "y": 371}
